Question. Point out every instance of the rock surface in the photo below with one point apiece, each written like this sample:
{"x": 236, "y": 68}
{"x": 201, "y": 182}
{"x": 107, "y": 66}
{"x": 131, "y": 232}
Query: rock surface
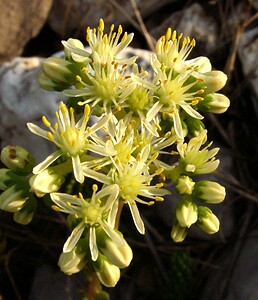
{"x": 20, "y": 21}
{"x": 21, "y": 101}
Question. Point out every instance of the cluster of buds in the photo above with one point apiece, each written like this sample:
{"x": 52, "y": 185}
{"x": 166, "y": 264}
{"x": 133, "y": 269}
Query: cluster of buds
{"x": 140, "y": 120}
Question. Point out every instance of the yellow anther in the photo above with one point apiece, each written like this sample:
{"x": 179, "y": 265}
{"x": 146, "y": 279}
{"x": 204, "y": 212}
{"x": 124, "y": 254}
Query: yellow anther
{"x": 68, "y": 203}
{"x": 157, "y": 198}
{"x": 174, "y": 152}
{"x": 124, "y": 38}
{"x": 150, "y": 203}
{"x": 50, "y": 136}
{"x": 86, "y": 110}
{"x": 46, "y": 122}
{"x": 113, "y": 35}
{"x": 105, "y": 39}
{"x": 56, "y": 208}
{"x": 94, "y": 188}
{"x": 112, "y": 27}
{"x": 159, "y": 171}
{"x": 200, "y": 80}
{"x": 155, "y": 156}
{"x": 78, "y": 78}
{"x": 193, "y": 42}
{"x": 199, "y": 92}
{"x": 195, "y": 102}
{"x": 57, "y": 115}
{"x": 101, "y": 25}
{"x": 76, "y": 216}
{"x": 168, "y": 34}
{"x": 56, "y": 126}
{"x": 159, "y": 185}
{"x": 120, "y": 29}
{"x": 80, "y": 195}
{"x": 180, "y": 36}
{"x": 63, "y": 108}
{"x": 71, "y": 110}
{"x": 173, "y": 38}
{"x": 138, "y": 158}
{"x": 97, "y": 168}
{"x": 73, "y": 143}
{"x": 168, "y": 134}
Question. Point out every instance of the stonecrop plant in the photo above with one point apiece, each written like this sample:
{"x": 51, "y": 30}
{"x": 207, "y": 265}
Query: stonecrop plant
{"x": 124, "y": 135}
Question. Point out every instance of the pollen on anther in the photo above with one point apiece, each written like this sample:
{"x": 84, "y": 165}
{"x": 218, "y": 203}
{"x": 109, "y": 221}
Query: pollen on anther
{"x": 46, "y": 122}
{"x": 50, "y": 136}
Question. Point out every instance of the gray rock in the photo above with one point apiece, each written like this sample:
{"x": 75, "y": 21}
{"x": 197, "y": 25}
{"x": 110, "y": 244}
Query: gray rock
{"x": 20, "y": 21}
{"x": 21, "y": 101}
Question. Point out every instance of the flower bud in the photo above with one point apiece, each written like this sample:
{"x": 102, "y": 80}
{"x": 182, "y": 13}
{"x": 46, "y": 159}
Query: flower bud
{"x": 75, "y": 260}
{"x": 25, "y": 214}
{"x": 58, "y": 70}
{"x": 209, "y": 191}
{"x": 184, "y": 185}
{"x": 12, "y": 199}
{"x": 7, "y": 178}
{"x": 213, "y": 81}
{"x": 214, "y": 103}
{"x": 17, "y": 159}
{"x": 186, "y": 213}
{"x": 207, "y": 221}
{"x": 195, "y": 127}
{"x": 178, "y": 233}
{"x": 48, "y": 181}
{"x": 107, "y": 273}
{"x": 50, "y": 85}
{"x": 120, "y": 256}
{"x": 74, "y": 45}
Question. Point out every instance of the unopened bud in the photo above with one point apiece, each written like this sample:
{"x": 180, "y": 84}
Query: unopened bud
{"x": 107, "y": 273}
{"x": 214, "y": 103}
{"x": 50, "y": 85}
{"x": 13, "y": 198}
{"x": 25, "y": 214}
{"x": 213, "y": 81}
{"x": 178, "y": 233}
{"x": 209, "y": 191}
{"x": 184, "y": 185}
{"x": 19, "y": 160}
{"x": 120, "y": 256}
{"x": 48, "y": 181}
{"x": 186, "y": 213}
{"x": 58, "y": 70}
{"x": 207, "y": 221}
{"x": 73, "y": 261}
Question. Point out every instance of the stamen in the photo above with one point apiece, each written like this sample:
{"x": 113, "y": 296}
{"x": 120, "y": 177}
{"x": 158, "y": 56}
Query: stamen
{"x": 46, "y": 122}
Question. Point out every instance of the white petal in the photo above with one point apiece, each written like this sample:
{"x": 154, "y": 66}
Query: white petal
{"x": 77, "y": 169}
{"x": 136, "y": 217}
{"x": 93, "y": 244}
{"x": 37, "y": 130}
{"x": 48, "y": 161}
{"x": 74, "y": 237}
{"x": 191, "y": 112}
{"x": 178, "y": 124}
{"x": 66, "y": 202}
{"x": 114, "y": 235}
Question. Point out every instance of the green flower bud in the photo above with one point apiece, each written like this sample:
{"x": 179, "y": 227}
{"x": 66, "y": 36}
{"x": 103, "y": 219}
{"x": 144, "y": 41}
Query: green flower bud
{"x": 13, "y": 198}
{"x": 74, "y": 261}
{"x": 107, "y": 273}
{"x": 186, "y": 213}
{"x": 184, "y": 185}
{"x": 207, "y": 221}
{"x": 214, "y": 103}
{"x": 17, "y": 159}
{"x": 7, "y": 178}
{"x": 48, "y": 181}
{"x": 178, "y": 233}
{"x": 120, "y": 256}
{"x": 25, "y": 214}
{"x": 59, "y": 70}
{"x": 209, "y": 191}
{"x": 50, "y": 85}
{"x": 195, "y": 127}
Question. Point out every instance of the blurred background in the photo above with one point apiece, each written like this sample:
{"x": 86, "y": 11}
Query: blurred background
{"x": 219, "y": 267}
